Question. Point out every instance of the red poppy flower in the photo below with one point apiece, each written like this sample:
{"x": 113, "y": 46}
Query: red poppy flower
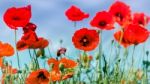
{"x": 140, "y": 19}
{"x": 6, "y": 49}
{"x": 68, "y": 63}
{"x": 75, "y": 14}
{"x": 29, "y": 27}
{"x": 56, "y": 74}
{"x": 17, "y": 17}
{"x": 40, "y": 76}
{"x": 121, "y": 12}
{"x": 85, "y": 39}
{"x": 119, "y": 36}
{"x": 41, "y": 43}
{"x": 21, "y": 45}
{"x": 27, "y": 40}
{"x": 103, "y": 20}
{"x": 55, "y": 63}
{"x": 135, "y": 34}
{"x": 30, "y": 40}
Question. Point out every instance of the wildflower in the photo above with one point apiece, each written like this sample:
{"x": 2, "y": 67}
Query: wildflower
{"x": 140, "y": 19}
{"x": 68, "y": 63}
{"x": 103, "y": 20}
{"x": 41, "y": 43}
{"x": 119, "y": 36}
{"x": 75, "y": 14}
{"x": 17, "y": 17}
{"x": 40, "y": 76}
{"x": 6, "y": 49}
{"x": 32, "y": 41}
{"x": 135, "y": 34}
{"x": 121, "y": 12}
{"x": 85, "y": 39}
{"x": 57, "y": 73}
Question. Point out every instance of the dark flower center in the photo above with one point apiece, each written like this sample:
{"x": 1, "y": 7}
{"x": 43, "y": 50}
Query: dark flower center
{"x": 76, "y": 15}
{"x": 41, "y": 76}
{"x": 84, "y": 41}
{"x": 119, "y": 15}
{"x": 16, "y": 18}
{"x": 140, "y": 22}
{"x": 102, "y": 23}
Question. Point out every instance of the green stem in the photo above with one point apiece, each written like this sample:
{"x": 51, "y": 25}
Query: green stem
{"x": 50, "y": 55}
{"x": 17, "y": 50}
{"x": 75, "y": 24}
{"x": 30, "y": 54}
{"x": 37, "y": 62}
{"x": 99, "y": 60}
{"x": 131, "y": 68}
{"x": 124, "y": 59}
{"x": 133, "y": 57}
{"x": 147, "y": 70}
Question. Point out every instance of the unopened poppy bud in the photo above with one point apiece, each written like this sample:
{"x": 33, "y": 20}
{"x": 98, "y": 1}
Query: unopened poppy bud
{"x": 61, "y": 67}
{"x": 61, "y": 51}
{"x": 112, "y": 41}
{"x": 85, "y": 59}
{"x": 39, "y": 53}
{"x": 97, "y": 56}
{"x": 29, "y": 26}
{"x": 147, "y": 53}
{"x": 61, "y": 41}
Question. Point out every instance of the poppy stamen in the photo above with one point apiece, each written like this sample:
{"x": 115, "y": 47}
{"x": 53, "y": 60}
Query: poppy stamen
{"x": 140, "y": 22}
{"x": 84, "y": 41}
{"x": 119, "y": 15}
{"x": 16, "y": 18}
{"x": 102, "y": 23}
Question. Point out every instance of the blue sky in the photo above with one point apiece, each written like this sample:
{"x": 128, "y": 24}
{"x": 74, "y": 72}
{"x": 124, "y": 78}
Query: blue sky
{"x": 52, "y": 23}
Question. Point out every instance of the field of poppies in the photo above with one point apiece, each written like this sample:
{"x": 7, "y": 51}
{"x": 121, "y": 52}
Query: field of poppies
{"x": 130, "y": 32}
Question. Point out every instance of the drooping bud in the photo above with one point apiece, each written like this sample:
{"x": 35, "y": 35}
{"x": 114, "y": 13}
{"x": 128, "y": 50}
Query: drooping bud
{"x": 61, "y": 51}
{"x": 61, "y": 67}
{"x": 147, "y": 53}
{"x": 29, "y": 26}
